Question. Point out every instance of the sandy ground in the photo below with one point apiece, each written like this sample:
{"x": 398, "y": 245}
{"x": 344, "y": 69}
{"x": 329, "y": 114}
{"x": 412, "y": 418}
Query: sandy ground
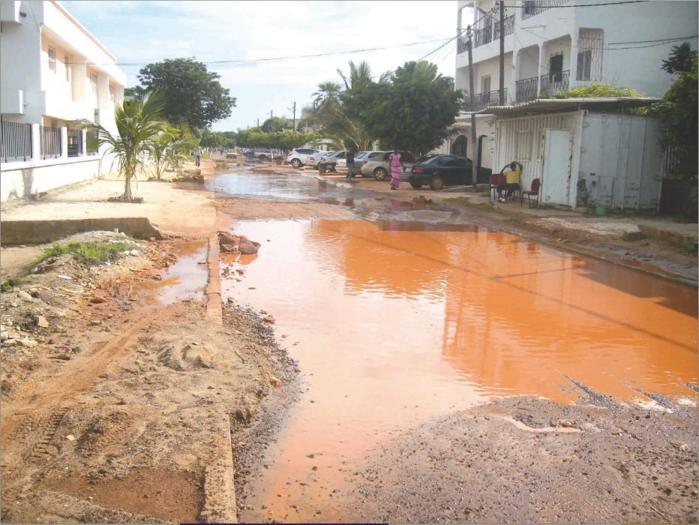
{"x": 117, "y": 408}
{"x": 534, "y": 461}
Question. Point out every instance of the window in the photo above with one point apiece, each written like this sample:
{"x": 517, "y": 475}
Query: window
{"x": 485, "y": 84}
{"x": 584, "y": 65}
{"x": 523, "y": 145}
{"x": 52, "y": 59}
{"x": 66, "y": 64}
{"x": 529, "y": 7}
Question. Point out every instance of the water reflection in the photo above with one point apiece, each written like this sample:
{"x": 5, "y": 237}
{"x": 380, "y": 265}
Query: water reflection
{"x": 399, "y": 322}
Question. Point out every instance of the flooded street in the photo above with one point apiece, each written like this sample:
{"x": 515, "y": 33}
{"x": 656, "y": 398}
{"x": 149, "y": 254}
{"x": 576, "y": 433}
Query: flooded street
{"x": 395, "y": 323}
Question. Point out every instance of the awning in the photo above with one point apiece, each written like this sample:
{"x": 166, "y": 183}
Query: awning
{"x": 560, "y": 105}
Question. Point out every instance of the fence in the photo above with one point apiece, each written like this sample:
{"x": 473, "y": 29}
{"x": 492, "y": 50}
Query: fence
{"x": 75, "y": 142}
{"x": 15, "y": 141}
{"x": 50, "y": 142}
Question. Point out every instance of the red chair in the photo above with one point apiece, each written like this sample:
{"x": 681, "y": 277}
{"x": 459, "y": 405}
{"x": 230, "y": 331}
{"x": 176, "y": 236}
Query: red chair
{"x": 533, "y": 193}
{"x": 497, "y": 180}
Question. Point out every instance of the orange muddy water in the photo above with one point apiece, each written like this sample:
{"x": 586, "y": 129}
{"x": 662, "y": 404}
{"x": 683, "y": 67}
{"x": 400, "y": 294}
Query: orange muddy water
{"x": 185, "y": 279}
{"x": 395, "y": 323}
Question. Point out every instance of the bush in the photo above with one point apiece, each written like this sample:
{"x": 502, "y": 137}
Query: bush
{"x": 598, "y": 90}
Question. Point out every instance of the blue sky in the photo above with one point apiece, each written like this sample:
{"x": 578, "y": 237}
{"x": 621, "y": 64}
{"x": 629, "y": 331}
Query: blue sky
{"x": 142, "y": 32}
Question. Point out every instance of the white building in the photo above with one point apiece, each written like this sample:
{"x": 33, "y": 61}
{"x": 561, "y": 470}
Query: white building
{"x": 53, "y": 73}
{"x": 552, "y": 46}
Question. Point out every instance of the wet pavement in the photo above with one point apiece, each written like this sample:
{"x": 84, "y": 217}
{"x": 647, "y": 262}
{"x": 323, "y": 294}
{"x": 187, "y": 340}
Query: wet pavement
{"x": 396, "y": 322}
{"x": 286, "y": 186}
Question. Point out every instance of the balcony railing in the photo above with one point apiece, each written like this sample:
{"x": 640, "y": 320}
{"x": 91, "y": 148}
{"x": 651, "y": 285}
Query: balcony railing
{"x": 534, "y": 7}
{"x": 483, "y": 100}
{"x": 15, "y": 141}
{"x": 554, "y": 83}
{"x": 486, "y": 34}
{"x": 526, "y": 89}
{"x": 50, "y": 142}
{"x": 509, "y": 27}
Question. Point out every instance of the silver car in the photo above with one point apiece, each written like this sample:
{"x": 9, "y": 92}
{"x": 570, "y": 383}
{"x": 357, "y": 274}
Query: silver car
{"x": 298, "y": 157}
{"x": 378, "y": 165}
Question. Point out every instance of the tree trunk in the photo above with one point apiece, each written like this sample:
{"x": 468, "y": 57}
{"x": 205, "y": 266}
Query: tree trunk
{"x": 128, "y": 197}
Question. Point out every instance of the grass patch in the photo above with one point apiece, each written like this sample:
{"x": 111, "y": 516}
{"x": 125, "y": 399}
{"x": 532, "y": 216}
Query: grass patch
{"x": 7, "y": 284}
{"x": 91, "y": 253}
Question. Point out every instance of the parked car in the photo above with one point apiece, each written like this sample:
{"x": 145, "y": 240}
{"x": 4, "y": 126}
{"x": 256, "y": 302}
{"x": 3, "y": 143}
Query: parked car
{"x": 262, "y": 153}
{"x": 298, "y": 157}
{"x": 378, "y": 165}
{"x": 330, "y": 162}
{"x": 445, "y": 170}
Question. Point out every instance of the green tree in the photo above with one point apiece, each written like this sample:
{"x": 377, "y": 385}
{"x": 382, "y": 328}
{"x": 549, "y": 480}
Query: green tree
{"x": 276, "y": 124}
{"x": 159, "y": 146}
{"x": 680, "y": 59}
{"x": 328, "y": 93}
{"x": 193, "y": 95}
{"x": 412, "y": 108}
{"x": 138, "y": 122}
{"x": 677, "y": 112}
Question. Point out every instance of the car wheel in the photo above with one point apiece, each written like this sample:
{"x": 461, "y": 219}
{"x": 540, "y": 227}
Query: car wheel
{"x": 415, "y": 185}
{"x": 437, "y": 182}
{"x": 296, "y": 163}
{"x": 380, "y": 174}
{"x": 332, "y": 168}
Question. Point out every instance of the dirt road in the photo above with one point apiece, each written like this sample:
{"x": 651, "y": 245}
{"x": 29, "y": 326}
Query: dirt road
{"x": 125, "y": 400}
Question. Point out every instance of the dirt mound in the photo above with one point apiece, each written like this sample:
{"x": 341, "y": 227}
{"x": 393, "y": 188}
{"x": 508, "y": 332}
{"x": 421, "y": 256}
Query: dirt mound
{"x": 237, "y": 244}
{"x": 187, "y": 357}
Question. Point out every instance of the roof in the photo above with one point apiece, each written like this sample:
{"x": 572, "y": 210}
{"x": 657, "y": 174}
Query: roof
{"x": 75, "y": 21}
{"x": 556, "y": 105}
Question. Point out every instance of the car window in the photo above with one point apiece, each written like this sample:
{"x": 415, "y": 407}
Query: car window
{"x": 406, "y": 156}
{"x": 340, "y": 154}
{"x": 376, "y": 155}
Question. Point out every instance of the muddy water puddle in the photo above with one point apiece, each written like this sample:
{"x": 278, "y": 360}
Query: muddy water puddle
{"x": 396, "y": 323}
{"x": 185, "y": 279}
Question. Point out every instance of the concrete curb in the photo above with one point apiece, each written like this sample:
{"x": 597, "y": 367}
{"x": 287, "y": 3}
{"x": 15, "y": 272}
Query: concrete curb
{"x": 219, "y": 488}
{"x": 15, "y": 232}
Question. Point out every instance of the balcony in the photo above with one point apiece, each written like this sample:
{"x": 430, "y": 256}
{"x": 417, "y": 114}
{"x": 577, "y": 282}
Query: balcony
{"x": 554, "y": 83}
{"x": 486, "y": 34}
{"x": 534, "y": 7}
{"x": 483, "y": 100}
{"x": 551, "y": 84}
{"x": 526, "y": 89}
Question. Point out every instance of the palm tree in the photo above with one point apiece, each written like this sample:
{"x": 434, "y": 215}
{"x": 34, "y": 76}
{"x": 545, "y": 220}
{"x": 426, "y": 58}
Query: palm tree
{"x": 327, "y": 91}
{"x": 137, "y": 123}
{"x": 159, "y": 149}
{"x": 359, "y": 75}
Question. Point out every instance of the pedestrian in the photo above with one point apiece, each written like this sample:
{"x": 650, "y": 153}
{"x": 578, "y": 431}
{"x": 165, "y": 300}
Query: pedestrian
{"x": 197, "y": 156}
{"x": 350, "y": 163}
{"x": 396, "y": 169}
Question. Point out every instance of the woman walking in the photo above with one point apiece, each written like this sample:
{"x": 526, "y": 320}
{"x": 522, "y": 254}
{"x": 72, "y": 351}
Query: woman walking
{"x": 396, "y": 169}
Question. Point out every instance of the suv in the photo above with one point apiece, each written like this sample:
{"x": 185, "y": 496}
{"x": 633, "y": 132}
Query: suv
{"x": 263, "y": 153}
{"x": 378, "y": 164}
{"x": 330, "y": 162}
{"x": 302, "y": 156}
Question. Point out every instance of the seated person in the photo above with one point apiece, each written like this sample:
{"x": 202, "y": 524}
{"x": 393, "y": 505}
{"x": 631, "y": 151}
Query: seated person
{"x": 513, "y": 179}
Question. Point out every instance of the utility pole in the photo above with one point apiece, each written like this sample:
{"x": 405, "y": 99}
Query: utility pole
{"x": 258, "y": 122}
{"x": 474, "y": 149}
{"x": 271, "y": 114}
{"x": 502, "y": 52}
{"x": 294, "y": 125}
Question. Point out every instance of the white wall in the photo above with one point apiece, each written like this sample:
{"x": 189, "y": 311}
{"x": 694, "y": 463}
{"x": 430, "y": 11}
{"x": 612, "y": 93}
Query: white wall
{"x": 17, "y": 181}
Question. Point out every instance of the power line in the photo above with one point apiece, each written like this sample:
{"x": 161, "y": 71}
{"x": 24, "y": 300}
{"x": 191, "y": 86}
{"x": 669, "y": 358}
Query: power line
{"x": 523, "y": 6}
{"x": 649, "y": 41}
{"x": 279, "y": 58}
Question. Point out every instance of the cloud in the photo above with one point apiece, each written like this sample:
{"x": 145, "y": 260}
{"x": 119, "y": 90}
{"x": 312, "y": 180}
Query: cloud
{"x": 149, "y": 31}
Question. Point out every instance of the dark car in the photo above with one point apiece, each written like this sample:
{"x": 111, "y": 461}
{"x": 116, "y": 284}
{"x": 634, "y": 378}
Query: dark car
{"x": 445, "y": 170}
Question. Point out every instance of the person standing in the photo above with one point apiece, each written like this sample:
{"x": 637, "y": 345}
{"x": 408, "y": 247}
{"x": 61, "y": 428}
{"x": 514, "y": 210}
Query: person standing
{"x": 396, "y": 169}
{"x": 197, "y": 156}
{"x": 350, "y": 163}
